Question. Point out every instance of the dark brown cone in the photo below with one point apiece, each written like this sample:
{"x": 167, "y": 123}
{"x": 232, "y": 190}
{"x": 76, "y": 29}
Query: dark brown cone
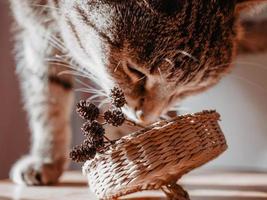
{"x": 114, "y": 117}
{"x": 93, "y": 129}
{"x": 97, "y": 143}
{"x": 118, "y": 98}
{"x": 82, "y": 153}
{"x": 87, "y": 110}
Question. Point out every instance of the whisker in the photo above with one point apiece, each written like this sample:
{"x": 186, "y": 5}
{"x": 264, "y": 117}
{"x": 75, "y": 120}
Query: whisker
{"x": 81, "y": 90}
{"x": 243, "y": 62}
{"x": 180, "y": 109}
{"x": 54, "y": 40}
{"x": 170, "y": 62}
{"x": 103, "y": 103}
{"x": 71, "y": 67}
{"x": 92, "y": 91}
{"x": 89, "y": 92}
{"x": 116, "y": 68}
{"x": 94, "y": 100}
{"x": 55, "y": 46}
{"x": 74, "y": 73}
{"x": 60, "y": 63}
{"x": 188, "y": 55}
{"x": 78, "y": 69}
{"x": 140, "y": 79}
{"x": 222, "y": 65}
{"x": 252, "y": 64}
{"x": 67, "y": 65}
{"x": 249, "y": 82}
{"x": 82, "y": 83}
{"x": 160, "y": 73}
{"x": 62, "y": 56}
{"x": 90, "y": 87}
{"x": 101, "y": 100}
{"x": 91, "y": 98}
{"x": 80, "y": 72}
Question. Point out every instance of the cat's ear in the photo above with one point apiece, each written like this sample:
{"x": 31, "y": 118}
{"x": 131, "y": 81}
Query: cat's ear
{"x": 250, "y": 4}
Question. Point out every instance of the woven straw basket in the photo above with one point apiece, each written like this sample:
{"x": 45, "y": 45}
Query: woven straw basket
{"x": 156, "y": 156}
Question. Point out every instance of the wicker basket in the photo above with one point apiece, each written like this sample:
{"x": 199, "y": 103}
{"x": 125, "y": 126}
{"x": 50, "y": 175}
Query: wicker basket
{"x": 156, "y": 156}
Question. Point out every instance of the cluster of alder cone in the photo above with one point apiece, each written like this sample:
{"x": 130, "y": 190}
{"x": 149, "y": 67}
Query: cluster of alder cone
{"x": 93, "y": 130}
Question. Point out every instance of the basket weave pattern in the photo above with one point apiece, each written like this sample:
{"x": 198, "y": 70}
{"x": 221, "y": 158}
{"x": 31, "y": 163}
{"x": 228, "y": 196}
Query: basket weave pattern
{"x": 156, "y": 156}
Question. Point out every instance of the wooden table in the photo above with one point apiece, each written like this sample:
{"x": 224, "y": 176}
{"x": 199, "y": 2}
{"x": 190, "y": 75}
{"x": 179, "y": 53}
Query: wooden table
{"x": 201, "y": 186}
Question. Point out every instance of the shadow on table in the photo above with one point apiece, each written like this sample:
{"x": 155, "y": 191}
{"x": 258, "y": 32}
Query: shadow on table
{"x": 6, "y": 198}
{"x": 145, "y": 198}
{"x": 71, "y": 184}
{"x": 199, "y": 198}
{"x": 212, "y": 194}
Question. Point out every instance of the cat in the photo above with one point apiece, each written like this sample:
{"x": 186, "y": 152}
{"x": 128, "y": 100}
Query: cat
{"x": 157, "y": 51}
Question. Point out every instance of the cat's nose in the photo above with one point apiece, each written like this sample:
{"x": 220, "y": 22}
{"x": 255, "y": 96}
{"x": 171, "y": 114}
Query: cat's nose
{"x": 148, "y": 114}
{"x": 144, "y": 118}
{"x": 139, "y": 114}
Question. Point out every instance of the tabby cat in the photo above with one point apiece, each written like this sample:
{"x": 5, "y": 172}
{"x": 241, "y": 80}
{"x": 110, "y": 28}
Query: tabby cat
{"x": 157, "y": 51}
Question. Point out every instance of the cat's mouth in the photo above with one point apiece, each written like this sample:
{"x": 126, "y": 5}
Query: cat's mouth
{"x": 150, "y": 119}
{"x": 150, "y": 110}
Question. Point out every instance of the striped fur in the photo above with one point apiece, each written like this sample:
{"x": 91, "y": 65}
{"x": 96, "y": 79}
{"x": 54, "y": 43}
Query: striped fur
{"x": 157, "y": 51}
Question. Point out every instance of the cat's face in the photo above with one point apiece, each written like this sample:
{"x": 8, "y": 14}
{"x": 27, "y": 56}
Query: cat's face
{"x": 157, "y": 51}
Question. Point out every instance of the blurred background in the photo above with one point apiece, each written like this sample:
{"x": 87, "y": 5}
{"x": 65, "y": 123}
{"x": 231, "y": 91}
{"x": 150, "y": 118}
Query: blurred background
{"x": 241, "y": 98}
{"x": 14, "y": 140}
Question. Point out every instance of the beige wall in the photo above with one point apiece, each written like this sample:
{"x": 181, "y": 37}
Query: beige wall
{"x": 13, "y": 130}
{"x": 14, "y": 134}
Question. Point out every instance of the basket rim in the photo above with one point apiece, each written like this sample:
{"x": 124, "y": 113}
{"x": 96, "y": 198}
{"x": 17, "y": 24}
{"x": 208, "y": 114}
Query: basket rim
{"x": 206, "y": 114}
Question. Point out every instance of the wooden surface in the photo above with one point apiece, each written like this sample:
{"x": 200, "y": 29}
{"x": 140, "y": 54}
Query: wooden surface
{"x": 203, "y": 186}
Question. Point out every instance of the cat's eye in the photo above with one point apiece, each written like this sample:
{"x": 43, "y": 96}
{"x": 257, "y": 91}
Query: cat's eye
{"x": 134, "y": 73}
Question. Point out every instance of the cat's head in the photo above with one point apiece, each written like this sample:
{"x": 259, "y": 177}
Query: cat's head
{"x": 157, "y": 51}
